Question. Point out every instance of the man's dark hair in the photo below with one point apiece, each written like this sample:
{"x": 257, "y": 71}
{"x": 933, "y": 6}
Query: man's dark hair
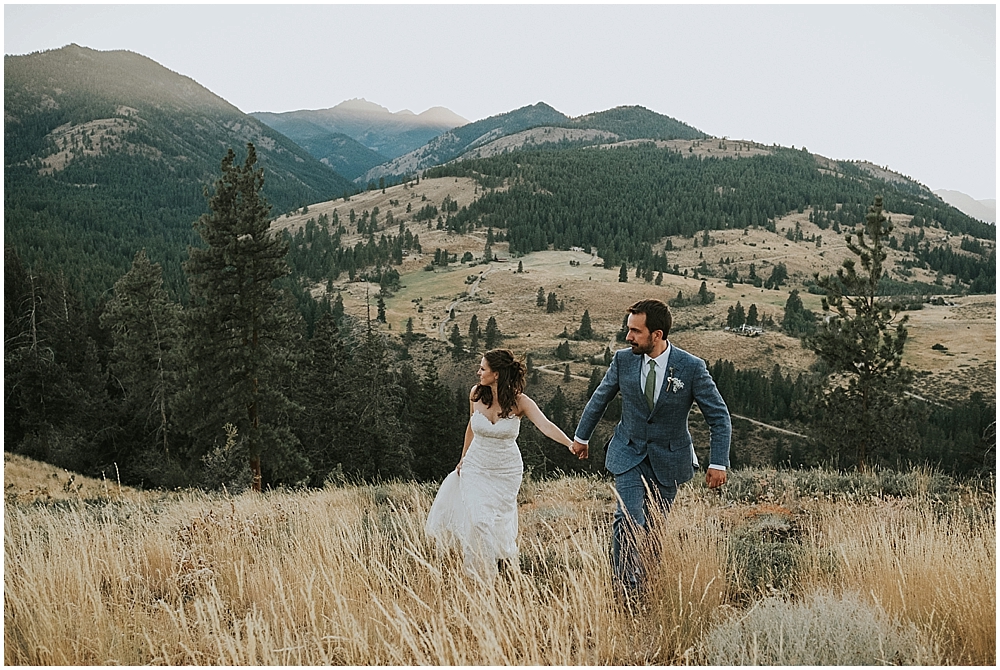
{"x": 657, "y": 315}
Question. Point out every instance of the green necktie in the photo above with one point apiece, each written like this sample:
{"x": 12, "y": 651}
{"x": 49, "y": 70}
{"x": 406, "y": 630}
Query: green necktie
{"x": 650, "y": 384}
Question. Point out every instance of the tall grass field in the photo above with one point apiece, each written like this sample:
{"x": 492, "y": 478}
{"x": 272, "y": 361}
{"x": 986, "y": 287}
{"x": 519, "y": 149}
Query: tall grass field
{"x": 800, "y": 568}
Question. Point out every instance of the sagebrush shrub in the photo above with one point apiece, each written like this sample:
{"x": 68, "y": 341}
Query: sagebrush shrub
{"x": 820, "y": 629}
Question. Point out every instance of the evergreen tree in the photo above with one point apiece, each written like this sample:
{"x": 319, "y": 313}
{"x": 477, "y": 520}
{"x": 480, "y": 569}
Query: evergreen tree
{"x": 585, "y": 331}
{"x": 145, "y": 359}
{"x": 322, "y": 389}
{"x": 552, "y": 304}
{"x": 623, "y": 331}
{"x": 458, "y": 345}
{"x": 704, "y": 295}
{"x": 540, "y": 298}
{"x": 381, "y": 308}
{"x": 55, "y": 398}
{"x": 567, "y": 377}
{"x": 752, "y": 315}
{"x": 736, "y": 316}
{"x": 869, "y": 417}
{"x": 242, "y": 333}
{"x": 408, "y": 335}
{"x": 596, "y": 376}
{"x": 623, "y": 273}
{"x": 377, "y": 445}
{"x": 436, "y": 437}
{"x": 797, "y": 320}
{"x": 493, "y": 335}
{"x": 562, "y": 351}
{"x": 474, "y": 334}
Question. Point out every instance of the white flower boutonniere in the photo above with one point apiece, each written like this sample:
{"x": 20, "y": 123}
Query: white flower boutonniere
{"x": 673, "y": 383}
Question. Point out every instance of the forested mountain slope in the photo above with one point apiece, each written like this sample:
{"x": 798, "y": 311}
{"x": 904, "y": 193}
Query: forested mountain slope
{"x": 625, "y": 200}
{"x": 109, "y": 152}
{"x": 532, "y": 127}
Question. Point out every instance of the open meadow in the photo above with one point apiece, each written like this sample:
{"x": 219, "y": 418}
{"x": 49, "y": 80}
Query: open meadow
{"x": 805, "y": 567}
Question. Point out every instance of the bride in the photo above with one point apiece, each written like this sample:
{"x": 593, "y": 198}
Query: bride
{"x": 476, "y": 506}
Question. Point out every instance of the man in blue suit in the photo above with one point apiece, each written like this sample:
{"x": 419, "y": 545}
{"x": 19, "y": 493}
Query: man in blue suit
{"x": 651, "y": 452}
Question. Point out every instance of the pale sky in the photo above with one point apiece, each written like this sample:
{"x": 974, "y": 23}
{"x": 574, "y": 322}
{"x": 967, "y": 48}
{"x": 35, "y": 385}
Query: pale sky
{"x": 912, "y": 87}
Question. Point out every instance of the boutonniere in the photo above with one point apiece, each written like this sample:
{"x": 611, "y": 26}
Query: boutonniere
{"x": 673, "y": 383}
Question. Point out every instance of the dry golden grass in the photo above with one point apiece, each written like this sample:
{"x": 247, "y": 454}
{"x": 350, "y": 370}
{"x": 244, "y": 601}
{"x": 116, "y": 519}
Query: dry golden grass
{"x": 346, "y": 576}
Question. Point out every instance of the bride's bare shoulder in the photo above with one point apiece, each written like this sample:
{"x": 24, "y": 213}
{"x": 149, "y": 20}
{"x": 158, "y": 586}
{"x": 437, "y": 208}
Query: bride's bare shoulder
{"x": 524, "y": 403}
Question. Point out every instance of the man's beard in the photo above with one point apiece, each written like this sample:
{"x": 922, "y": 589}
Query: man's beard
{"x": 639, "y": 349}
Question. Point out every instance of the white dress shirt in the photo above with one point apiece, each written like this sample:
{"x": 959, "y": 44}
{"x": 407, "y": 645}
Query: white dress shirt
{"x": 661, "y": 371}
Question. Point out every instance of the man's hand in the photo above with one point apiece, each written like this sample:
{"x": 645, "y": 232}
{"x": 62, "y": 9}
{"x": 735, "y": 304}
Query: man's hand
{"x": 580, "y": 449}
{"x": 715, "y": 478}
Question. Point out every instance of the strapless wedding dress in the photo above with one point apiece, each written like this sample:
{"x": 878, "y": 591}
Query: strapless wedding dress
{"x": 476, "y": 510}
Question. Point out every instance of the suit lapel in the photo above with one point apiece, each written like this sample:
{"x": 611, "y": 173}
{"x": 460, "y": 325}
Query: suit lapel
{"x": 672, "y": 364}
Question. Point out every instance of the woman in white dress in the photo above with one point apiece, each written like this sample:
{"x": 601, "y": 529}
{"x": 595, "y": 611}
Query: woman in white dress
{"x": 476, "y": 506}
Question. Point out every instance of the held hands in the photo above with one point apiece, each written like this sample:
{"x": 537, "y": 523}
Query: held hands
{"x": 580, "y": 449}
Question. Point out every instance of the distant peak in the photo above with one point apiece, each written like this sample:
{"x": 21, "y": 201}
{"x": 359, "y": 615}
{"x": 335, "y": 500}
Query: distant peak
{"x": 361, "y": 105}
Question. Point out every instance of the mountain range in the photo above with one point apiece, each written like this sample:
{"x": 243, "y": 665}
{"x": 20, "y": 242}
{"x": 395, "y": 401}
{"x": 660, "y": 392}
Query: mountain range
{"x": 109, "y": 152}
{"x": 984, "y": 210}
{"x": 356, "y": 135}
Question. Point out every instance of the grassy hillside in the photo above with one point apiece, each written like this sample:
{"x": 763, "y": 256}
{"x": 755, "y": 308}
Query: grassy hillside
{"x": 782, "y": 569}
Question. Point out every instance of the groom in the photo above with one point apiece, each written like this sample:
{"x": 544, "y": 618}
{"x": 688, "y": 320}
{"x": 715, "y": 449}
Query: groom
{"x": 651, "y": 452}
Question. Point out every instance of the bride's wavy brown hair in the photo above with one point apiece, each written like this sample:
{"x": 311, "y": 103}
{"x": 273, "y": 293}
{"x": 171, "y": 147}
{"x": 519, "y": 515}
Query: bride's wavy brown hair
{"x": 510, "y": 381}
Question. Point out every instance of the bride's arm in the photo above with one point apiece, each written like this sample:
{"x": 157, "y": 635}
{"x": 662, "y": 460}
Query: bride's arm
{"x": 468, "y": 434}
{"x": 529, "y": 408}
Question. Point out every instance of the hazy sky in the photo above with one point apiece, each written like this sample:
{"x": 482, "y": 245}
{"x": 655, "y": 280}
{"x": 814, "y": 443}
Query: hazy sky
{"x": 908, "y": 86}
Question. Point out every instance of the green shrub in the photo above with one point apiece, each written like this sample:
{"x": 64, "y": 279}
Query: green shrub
{"x": 763, "y": 556}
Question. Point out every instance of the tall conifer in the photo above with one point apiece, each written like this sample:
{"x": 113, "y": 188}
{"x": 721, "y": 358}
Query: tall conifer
{"x": 242, "y": 332}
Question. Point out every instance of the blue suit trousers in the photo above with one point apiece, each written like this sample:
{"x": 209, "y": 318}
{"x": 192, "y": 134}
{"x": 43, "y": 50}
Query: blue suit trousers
{"x": 632, "y": 516}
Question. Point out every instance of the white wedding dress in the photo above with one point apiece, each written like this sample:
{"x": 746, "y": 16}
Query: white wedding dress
{"x": 476, "y": 510}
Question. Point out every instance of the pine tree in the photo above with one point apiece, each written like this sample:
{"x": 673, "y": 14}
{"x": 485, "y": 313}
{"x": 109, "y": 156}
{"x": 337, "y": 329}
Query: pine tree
{"x": 474, "y": 334}
{"x": 552, "y": 304}
{"x": 623, "y": 273}
{"x": 704, "y": 295}
{"x": 540, "y": 298}
{"x": 596, "y": 376}
{"x": 377, "y": 445}
{"x": 408, "y": 335}
{"x": 567, "y": 377}
{"x": 797, "y": 320}
{"x": 585, "y": 331}
{"x": 563, "y": 352}
{"x": 322, "y": 388}
{"x": 146, "y": 356}
{"x": 458, "y": 345}
{"x": 242, "y": 332}
{"x": 623, "y": 331}
{"x": 435, "y": 437}
{"x": 869, "y": 418}
{"x": 493, "y": 335}
{"x": 752, "y": 315}
{"x": 381, "y": 308}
